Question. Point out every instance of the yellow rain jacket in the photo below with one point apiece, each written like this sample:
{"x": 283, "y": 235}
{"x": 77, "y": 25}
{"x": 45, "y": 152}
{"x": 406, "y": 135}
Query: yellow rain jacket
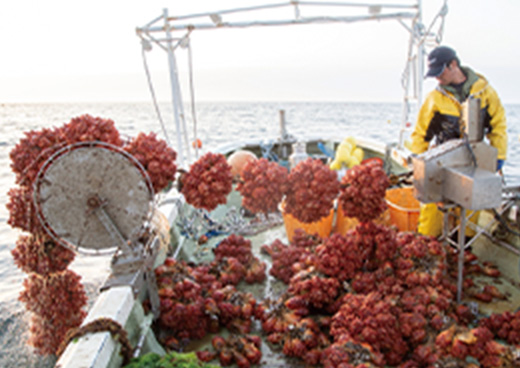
{"x": 439, "y": 121}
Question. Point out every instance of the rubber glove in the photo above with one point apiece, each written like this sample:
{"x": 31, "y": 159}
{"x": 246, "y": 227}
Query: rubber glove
{"x": 500, "y": 164}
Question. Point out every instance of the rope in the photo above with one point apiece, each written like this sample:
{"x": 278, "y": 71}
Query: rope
{"x": 152, "y": 92}
{"x": 440, "y": 15}
{"x": 102, "y": 324}
{"x": 267, "y": 151}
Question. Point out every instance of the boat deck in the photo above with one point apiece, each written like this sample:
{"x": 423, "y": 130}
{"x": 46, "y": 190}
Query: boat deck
{"x": 491, "y": 252}
{"x": 488, "y": 253}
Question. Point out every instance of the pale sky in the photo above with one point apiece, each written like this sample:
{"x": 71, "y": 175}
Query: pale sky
{"x": 75, "y": 51}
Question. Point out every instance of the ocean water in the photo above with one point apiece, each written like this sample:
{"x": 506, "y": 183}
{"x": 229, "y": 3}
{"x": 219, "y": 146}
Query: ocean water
{"x": 218, "y": 123}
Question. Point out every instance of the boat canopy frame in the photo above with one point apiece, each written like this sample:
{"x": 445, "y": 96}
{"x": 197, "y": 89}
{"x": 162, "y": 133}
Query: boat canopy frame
{"x": 173, "y": 32}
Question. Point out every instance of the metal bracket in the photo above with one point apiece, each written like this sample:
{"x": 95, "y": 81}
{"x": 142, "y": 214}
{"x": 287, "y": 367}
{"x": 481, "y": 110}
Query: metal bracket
{"x": 97, "y": 205}
{"x": 136, "y": 270}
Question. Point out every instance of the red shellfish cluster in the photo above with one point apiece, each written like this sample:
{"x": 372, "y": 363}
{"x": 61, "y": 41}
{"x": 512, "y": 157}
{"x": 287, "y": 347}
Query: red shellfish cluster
{"x": 56, "y": 303}
{"x": 157, "y": 158}
{"x": 362, "y": 190}
{"x": 312, "y": 188}
{"x": 208, "y": 182}
{"x": 262, "y": 186}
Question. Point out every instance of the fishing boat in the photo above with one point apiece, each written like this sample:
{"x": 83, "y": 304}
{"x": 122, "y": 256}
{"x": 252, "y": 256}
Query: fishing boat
{"x": 148, "y": 231}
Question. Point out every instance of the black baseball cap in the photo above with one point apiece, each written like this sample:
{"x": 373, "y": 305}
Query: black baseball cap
{"x": 438, "y": 59}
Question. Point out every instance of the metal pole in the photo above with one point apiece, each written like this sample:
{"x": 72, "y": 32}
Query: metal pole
{"x": 193, "y": 109}
{"x": 446, "y": 225}
{"x": 420, "y": 57}
{"x": 462, "y": 238}
{"x": 283, "y": 129}
{"x": 174, "y": 82}
{"x": 413, "y": 70}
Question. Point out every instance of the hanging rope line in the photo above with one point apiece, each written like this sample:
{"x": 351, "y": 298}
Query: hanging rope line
{"x": 145, "y": 45}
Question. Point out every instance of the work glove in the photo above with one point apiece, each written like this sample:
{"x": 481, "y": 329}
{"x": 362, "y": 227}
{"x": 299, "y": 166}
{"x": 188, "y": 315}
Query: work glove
{"x": 500, "y": 164}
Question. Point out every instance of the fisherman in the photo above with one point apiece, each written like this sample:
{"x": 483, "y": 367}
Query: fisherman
{"x": 439, "y": 119}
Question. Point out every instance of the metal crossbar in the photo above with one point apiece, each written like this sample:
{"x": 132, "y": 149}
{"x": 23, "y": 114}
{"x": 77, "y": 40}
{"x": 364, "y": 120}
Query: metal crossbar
{"x": 160, "y": 31}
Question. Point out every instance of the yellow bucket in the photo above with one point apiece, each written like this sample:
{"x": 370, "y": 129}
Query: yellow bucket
{"x": 404, "y": 208}
{"x": 322, "y": 227}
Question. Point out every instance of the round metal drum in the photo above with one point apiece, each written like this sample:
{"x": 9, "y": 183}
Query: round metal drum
{"x": 82, "y": 180}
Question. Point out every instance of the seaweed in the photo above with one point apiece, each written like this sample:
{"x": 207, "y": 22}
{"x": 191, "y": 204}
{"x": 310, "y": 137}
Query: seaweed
{"x": 170, "y": 360}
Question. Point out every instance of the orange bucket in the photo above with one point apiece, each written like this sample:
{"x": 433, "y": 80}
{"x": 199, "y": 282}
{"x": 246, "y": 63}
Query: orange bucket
{"x": 322, "y": 227}
{"x": 345, "y": 223}
{"x": 404, "y": 208}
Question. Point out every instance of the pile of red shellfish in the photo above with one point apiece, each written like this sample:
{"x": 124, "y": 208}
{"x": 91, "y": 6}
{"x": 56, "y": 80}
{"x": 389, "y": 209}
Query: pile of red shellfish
{"x": 373, "y": 297}
{"x": 199, "y": 299}
{"x": 51, "y": 292}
